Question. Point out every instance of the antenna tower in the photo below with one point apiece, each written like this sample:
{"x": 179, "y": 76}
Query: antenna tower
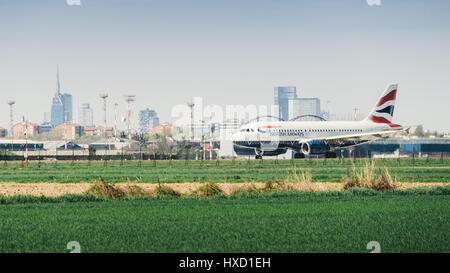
{"x": 129, "y": 99}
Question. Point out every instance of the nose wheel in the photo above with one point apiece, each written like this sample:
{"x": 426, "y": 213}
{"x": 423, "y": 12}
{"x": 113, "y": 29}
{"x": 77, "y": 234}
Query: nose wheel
{"x": 259, "y": 154}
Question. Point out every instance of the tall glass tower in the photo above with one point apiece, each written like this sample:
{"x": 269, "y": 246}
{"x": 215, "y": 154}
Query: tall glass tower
{"x": 61, "y": 110}
{"x": 304, "y": 106}
{"x": 147, "y": 120}
{"x": 86, "y": 115}
{"x": 282, "y": 95}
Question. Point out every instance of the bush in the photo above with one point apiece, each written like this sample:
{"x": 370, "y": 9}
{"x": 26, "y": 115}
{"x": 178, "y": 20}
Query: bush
{"x": 302, "y": 182}
{"x": 135, "y": 190}
{"x": 208, "y": 189}
{"x": 107, "y": 191}
{"x": 366, "y": 178}
{"x": 162, "y": 190}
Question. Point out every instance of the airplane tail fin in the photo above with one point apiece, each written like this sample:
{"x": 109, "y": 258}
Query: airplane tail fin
{"x": 383, "y": 111}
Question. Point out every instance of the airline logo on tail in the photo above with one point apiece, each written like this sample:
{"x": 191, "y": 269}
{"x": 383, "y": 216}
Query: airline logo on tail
{"x": 384, "y": 109}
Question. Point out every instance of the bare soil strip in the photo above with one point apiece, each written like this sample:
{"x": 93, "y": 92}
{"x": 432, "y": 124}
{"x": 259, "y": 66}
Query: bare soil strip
{"x": 58, "y": 189}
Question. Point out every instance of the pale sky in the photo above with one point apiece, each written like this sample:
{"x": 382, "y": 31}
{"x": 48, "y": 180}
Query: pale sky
{"x": 228, "y": 52}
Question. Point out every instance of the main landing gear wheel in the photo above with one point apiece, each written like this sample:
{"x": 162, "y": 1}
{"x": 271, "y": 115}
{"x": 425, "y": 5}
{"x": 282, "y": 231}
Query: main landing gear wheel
{"x": 330, "y": 155}
{"x": 299, "y": 155}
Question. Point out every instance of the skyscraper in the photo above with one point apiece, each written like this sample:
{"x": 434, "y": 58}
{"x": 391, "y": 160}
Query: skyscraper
{"x": 147, "y": 120}
{"x": 282, "y": 95}
{"x": 304, "y": 106}
{"x": 86, "y": 115}
{"x": 61, "y": 109}
{"x": 67, "y": 107}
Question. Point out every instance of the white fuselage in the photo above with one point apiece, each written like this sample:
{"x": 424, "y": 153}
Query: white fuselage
{"x": 306, "y": 137}
{"x": 301, "y": 130}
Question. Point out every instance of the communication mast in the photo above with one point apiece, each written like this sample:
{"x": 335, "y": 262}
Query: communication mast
{"x": 210, "y": 137}
{"x": 103, "y": 96}
{"x": 11, "y": 119}
{"x": 129, "y": 99}
{"x": 191, "y": 107}
{"x": 115, "y": 122}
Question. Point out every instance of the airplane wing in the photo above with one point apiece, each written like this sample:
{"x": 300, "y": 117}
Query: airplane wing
{"x": 352, "y": 139}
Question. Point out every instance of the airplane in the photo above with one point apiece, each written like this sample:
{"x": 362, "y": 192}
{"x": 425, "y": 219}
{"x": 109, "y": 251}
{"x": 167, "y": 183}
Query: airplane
{"x": 318, "y": 137}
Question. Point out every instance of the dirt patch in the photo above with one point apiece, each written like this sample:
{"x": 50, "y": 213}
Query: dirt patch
{"x": 58, "y": 189}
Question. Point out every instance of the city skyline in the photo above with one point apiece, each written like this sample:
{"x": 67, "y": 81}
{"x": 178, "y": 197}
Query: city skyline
{"x": 228, "y": 53}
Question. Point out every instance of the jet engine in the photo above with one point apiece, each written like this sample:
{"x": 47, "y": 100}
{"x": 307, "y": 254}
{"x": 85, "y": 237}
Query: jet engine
{"x": 314, "y": 147}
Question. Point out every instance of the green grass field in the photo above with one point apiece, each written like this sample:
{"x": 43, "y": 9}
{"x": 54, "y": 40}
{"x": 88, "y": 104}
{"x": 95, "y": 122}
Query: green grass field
{"x": 405, "y": 221}
{"x": 330, "y": 170}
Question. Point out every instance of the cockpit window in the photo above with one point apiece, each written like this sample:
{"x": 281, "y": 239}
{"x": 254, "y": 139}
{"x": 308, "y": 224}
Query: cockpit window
{"x": 246, "y": 130}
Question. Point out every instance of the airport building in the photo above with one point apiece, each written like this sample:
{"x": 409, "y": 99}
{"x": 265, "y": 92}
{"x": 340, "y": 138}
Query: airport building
{"x": 98, "y": 131}
{"x": 162, "y": 129}
{"x": 69, "y": 131}
{"x": 32, "y": 129}
{"x": 46, "y": 127}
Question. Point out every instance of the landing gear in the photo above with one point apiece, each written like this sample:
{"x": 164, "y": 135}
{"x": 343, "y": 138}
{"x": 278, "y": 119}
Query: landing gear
{"x": 299, "y": 155}
{"x": 330, "y": 155}
{"x": 259, "y": 153}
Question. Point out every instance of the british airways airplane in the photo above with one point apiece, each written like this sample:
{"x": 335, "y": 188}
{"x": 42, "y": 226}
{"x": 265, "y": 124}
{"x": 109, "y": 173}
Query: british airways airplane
{"x": 318, "y": 137}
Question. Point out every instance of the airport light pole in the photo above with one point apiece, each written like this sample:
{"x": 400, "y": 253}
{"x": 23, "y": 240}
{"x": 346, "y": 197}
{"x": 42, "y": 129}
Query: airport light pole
{"x": 129, "y": 99}
{"x": 210, "y": 137}
{"x": 191, "y": 107}
{"x": 103, "y": 96}
{"x": 26, "y": 144}
{"x": 11, "y": 121}
{"x": 115, "y": 123}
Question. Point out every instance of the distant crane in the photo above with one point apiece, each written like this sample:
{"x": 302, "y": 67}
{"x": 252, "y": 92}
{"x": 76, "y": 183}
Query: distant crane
{"x": 129, "y": 99}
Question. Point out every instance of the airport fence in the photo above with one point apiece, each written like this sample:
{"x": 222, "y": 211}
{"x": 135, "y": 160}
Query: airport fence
{"x": 120, "y": 158}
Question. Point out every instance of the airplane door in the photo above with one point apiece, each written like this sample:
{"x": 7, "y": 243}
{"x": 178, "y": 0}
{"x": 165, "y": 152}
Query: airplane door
{"x": 247, "y": 135}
